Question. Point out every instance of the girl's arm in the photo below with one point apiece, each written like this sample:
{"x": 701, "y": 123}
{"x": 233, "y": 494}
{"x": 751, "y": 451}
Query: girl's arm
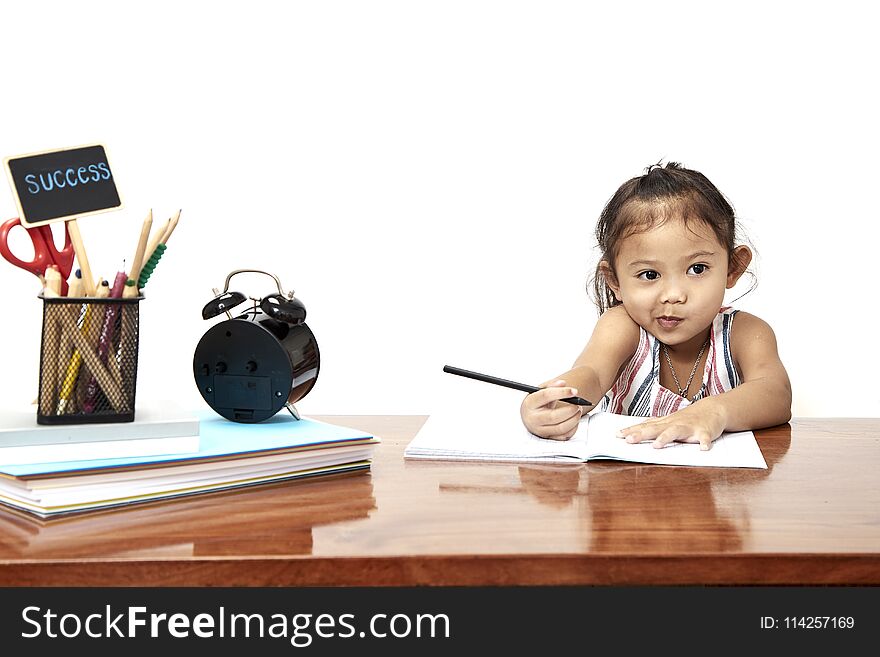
{"x": 763, "y": 399}
{"x": 612, "y": 344}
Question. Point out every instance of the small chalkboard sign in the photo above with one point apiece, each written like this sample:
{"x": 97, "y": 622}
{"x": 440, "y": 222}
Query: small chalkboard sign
{"x": 62, "y": 184}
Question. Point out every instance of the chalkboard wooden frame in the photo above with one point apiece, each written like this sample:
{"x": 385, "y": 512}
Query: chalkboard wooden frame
{"x": 109, "y": 200}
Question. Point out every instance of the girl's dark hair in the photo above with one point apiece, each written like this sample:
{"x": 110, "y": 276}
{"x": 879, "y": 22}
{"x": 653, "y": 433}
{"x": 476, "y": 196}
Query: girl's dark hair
{"x": 640, "y": 203}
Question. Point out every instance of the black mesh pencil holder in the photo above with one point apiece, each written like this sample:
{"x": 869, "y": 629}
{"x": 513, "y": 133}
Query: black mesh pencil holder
{"x": 88, "y": 360}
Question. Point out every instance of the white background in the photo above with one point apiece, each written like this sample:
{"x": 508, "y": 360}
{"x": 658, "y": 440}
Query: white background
{"x": 427, "y": 176}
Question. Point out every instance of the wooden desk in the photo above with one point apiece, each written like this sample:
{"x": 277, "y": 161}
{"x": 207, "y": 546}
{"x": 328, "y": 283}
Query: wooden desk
{"x": 812, "y": 518}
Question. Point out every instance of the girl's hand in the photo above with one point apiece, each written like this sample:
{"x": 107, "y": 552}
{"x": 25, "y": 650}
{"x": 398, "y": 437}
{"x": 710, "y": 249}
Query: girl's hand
{"x": 698, "y": 423}
{"x": 545, "y": 416}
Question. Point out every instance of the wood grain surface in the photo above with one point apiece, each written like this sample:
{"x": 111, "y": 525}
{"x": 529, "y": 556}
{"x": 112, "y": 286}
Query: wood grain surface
{"x": 813, "y": 517}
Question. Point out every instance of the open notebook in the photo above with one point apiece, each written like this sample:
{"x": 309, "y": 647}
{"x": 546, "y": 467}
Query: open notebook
{"x": 498, "y": 435}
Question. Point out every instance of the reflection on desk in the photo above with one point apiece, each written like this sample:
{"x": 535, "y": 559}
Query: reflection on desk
{"x": 643, "y": 509}
{"x": 634, "y": 508}
{"x": 211, "y": 525}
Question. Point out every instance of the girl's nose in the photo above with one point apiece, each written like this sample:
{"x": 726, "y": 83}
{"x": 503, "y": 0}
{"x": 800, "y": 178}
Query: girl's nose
{"x": 673, "y": 292}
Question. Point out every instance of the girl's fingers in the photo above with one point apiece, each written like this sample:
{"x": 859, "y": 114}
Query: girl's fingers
{"x": 562, "y": 413}
{"x": 549, "y": 396}
{"x": 564, "y": 430}
{"x": 669, "y": 435}
{"x": 558, "y": 421}
{"x": 546, "y": 416}
{"x": 705, "y": 440}
{"x": 685, "y": 434}
{"x": 662, "y": 432}
{"x": 645, "y": 431}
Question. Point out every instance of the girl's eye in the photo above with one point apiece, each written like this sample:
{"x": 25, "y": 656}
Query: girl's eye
{"x": 649, "y": 275}
{"x": 698, "y": 269}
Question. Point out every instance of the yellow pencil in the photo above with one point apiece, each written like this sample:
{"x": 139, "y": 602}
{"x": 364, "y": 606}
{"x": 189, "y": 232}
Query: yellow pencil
{"x": 72, "y": 369}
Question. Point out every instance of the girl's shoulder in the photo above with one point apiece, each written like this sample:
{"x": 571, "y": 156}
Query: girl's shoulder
{"x": 748, "y": 320}
{"x": 613, "y": 342}
{"x": 618, "y": 316}
{"x": 749, "y": 329}
{"x": 615, "y": 323}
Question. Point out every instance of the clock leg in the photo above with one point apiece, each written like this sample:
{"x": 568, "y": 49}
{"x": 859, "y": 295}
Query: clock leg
{"x": 295, "y": 413}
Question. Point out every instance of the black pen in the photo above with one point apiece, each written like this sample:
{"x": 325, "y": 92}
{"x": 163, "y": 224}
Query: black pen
{"x": 508, "y": 384}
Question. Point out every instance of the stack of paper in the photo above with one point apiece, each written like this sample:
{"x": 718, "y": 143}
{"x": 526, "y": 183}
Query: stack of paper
{"x": 230, "y": 455}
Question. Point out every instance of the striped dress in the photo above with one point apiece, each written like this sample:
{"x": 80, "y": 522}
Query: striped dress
{"x": 638, "y": 392}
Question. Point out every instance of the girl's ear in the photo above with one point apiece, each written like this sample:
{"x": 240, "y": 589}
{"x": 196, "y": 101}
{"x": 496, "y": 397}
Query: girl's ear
{"x": 739, "y": 262}
{"x": 610, "y": 279}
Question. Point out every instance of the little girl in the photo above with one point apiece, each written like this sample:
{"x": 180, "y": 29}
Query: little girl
{"x": 664, "y": 347}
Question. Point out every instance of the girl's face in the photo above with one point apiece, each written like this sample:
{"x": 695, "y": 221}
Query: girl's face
{"x": 671, "y": 280}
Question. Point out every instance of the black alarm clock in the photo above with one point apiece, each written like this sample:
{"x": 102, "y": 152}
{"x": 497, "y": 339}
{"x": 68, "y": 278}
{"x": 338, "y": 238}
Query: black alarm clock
{"x": 249, "y": 367}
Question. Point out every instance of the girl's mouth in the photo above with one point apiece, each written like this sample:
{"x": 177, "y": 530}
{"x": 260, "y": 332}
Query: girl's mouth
{"x": 669, "y": 322}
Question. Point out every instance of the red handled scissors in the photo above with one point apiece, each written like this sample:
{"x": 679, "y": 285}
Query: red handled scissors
{"x": 45, "y": 251}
